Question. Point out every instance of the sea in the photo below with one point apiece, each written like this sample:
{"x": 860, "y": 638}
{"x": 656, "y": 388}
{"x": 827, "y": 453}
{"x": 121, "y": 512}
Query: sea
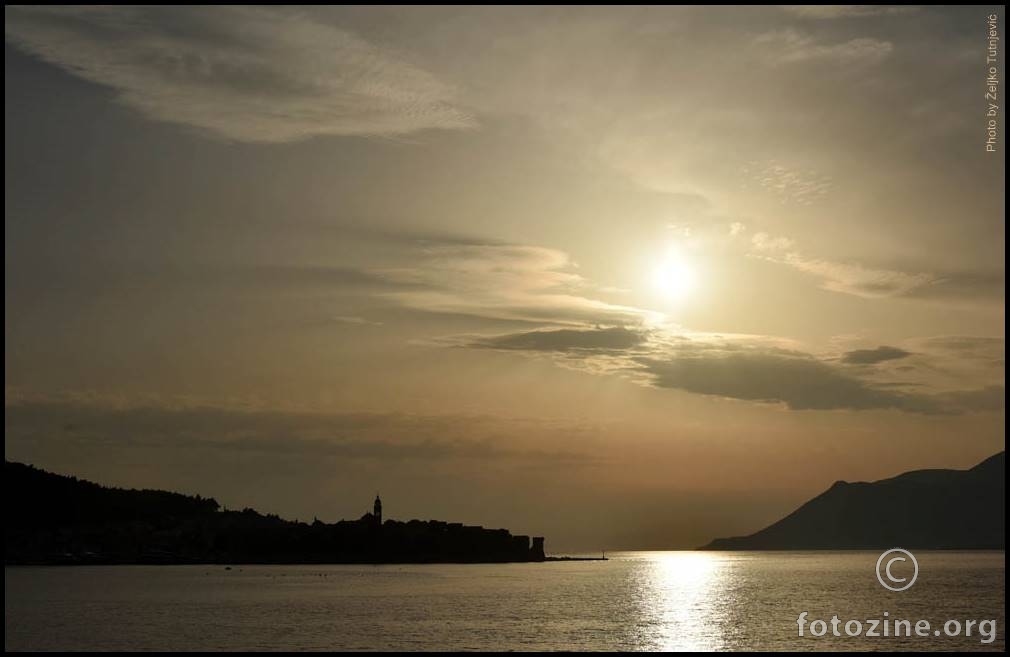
{"x": 635, "y": 601}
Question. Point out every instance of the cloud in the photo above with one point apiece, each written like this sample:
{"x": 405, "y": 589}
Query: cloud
{"x": 599, "y": 340}
{"x": 448, "y": 274}
{"x": 253, "y": 74}
{"x": 98, "y": 422}
{"x": 960, "y": 358}
{"x": 804, "y": 382}
{"x": 859, "y": 280}
{"x": 846, "y": 277}
{"x": 874, "y": 282}
{"x": 963, "y": 285}
{"x": 765, "y": 242}
{"x": 829, "y": 12}
{"x": 506, "y": 282}
{"x": 353, "y": 319}
{"x": 791, "y": 185}
{"x": 799, "y": 381}
{"x": 873, "y": 356}
{"x": 989, "y": 398}
{"x": 789, "y": 46}
{"x": 746, "y": 368}
{"x": 968, "y": 346}
{"x": 102, "y": 278}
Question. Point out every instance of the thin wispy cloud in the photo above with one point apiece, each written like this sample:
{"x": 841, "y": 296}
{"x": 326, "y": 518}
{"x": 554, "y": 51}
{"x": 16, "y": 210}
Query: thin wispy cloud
{"x": 959, "y": 360}
{"x": 789, "y": 184}
{"x": 845, "y": 277}
{"x": 252, "y": 74}
{"x": 448, "y": 274}
{"x": 765, "y": 243}
{"x": 862, "y": 280}
{"x": 855, "y": 278}
{"x": 98, "y": 421}
{"x": 968, "y": 346}
{"x": 507, "y": 282}
{"x": 789, "y": 46}
{"x": 830, "y": 12}
{"x": 354, "y": 320}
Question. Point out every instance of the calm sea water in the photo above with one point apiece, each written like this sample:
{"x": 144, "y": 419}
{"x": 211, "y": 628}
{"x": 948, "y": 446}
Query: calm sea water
{"x": 635, "y": 601}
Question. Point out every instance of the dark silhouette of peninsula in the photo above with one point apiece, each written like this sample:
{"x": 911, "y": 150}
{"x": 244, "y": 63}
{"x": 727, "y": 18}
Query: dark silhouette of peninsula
{"x": 924, "y": 509}
{"x": 54, "y": 519}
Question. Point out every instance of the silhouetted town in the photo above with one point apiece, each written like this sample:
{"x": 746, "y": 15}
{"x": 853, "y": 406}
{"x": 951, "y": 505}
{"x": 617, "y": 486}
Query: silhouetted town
{"x": 54, "y": 519}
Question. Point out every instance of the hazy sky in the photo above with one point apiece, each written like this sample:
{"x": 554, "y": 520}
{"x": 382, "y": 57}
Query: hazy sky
{"x": 624, "y": 277}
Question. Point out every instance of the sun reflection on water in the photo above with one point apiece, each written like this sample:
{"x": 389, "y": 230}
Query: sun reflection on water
{"x": 685, "y": 596}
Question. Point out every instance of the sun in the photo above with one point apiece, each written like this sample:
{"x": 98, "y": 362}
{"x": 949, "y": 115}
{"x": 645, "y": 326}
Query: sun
{"x": 674, "y": 278}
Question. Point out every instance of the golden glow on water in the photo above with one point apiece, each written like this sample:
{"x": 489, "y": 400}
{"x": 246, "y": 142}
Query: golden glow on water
{"x": 635, "y": 601}
{"x": 685, "y": 588}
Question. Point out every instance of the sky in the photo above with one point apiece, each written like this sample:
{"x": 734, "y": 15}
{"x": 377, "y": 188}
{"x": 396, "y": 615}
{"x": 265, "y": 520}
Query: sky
{"x": 625, "y": 277}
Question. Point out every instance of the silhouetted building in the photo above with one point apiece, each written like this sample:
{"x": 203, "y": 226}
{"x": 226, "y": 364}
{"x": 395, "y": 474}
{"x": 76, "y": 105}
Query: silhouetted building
{"x": 537, "y": 551}
{"x": 377, "y": 511}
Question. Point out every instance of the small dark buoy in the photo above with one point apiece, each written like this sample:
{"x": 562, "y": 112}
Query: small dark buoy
{"x": 227, "y": 567}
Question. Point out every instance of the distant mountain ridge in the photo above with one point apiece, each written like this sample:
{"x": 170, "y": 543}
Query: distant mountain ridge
{"x": 925, "y": 509}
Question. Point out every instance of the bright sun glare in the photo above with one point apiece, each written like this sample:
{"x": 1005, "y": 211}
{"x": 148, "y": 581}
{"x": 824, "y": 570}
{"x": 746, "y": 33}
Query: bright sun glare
{"x": 674, "y": 278}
